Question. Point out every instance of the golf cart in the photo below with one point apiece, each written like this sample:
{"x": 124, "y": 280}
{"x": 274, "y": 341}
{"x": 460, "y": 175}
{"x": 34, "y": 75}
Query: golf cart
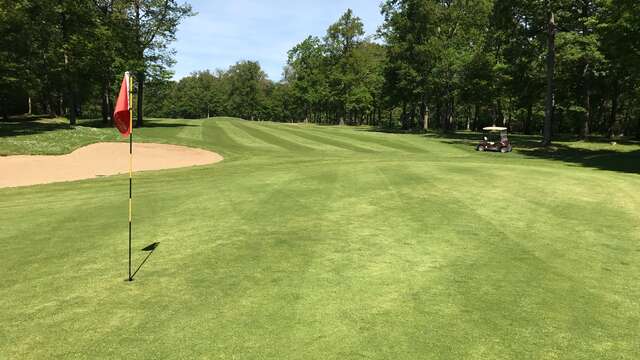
{"x": 495, "y": 139}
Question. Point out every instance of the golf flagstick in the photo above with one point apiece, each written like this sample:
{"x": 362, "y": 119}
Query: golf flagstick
{"x": 123, "y": 120}
{"x": 130, "y": 166}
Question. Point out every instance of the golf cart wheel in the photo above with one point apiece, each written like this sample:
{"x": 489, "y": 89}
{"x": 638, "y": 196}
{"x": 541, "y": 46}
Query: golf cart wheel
{"x": 480, "y": 148}
{"x": 504, "y": 150}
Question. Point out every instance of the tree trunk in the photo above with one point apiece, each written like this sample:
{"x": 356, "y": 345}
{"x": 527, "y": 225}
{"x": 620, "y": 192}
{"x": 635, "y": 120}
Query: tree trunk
{"x": 613, "y": 121}
{"x": 476, "y": 117}
{"x": 72, "y": 107}
{"x": 424, "y": 111}
{"x": 499, "y": 113}
{"x": 70, "y": 94}
{"x": 586, "y": 13}
{"x": 451, "y": 116}
{"x": 30, "y": 108}
{"x": 140, "y": 118}
{"x": 586, "y": 128}
{"x": 106, "y": 103}
{"x": 529, "y": 119}
{"x": 439, "y": 116}
{"x": 509, "y": 120}
{"x": 551, "y": 68}
{"x": 5, "y": 110}
{"x": 141, "y": 70}
{"x": 46, "y": 105}
{"x": 412, "y": 117}
{"x": 403, "y": 117}
{"x": 105, "y": 114}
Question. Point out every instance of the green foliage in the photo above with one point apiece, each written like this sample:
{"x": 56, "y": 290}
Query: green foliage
{"x": 247, "y": 84}
{"x": 67, "y": 55}
{"x": 241, "y": 91}
{"x": 308, "y": 78}
{"x": 444, "y": 65}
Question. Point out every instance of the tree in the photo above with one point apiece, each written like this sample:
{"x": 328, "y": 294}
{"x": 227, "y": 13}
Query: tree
{"x": 247, "y": 85}
{"x": 618, "y": 26}
{"x": 365, "y": 97}
{"x": 13, "y": 71}
{"x": 551, "y": 70}
{"x": 308, "y": 74}
{"x": 428, "y": 44}
{"x": 154, "y": 24}
{"x": 342, "y": 38}
{"x": 580, "y": 65}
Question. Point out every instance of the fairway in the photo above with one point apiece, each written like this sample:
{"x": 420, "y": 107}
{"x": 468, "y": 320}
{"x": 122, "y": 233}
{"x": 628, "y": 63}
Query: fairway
{"x": 313, "y": 242}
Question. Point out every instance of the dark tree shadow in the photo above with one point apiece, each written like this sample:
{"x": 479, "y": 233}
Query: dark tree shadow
{"x": 150, "y": 250}
{"x": 391, "y": 130}
{"x": 40, "y": 124}
{"x": 148, "y": 124}
{"x": 152, "y": 124}
{"x": 26, "y": 118}
{"x": 628, "y": 162}
{"x": 29, "y": 127}
{"x": 529, "y": 145}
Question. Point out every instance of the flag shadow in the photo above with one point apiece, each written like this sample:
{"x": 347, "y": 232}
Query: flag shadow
{"x": 150, "y": 250}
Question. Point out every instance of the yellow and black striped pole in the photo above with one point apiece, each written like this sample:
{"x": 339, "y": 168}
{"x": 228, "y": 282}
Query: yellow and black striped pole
{"x": 130, "y": 166}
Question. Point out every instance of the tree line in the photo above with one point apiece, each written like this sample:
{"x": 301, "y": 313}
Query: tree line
{"x": 534, "y": 66}
{"x": 66, "y": 57}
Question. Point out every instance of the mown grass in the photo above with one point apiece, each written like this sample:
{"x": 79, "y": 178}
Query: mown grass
{"x": 315, "y": 242}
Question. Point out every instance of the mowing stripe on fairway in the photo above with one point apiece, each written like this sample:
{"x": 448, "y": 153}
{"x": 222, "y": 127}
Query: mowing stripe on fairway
{"x": 242, "y": 137}
{"x": 323, "y": 139}
{"x": 192, "y": 130}
{"x": 535, "y": 266}
{"x": 379, "y": 139}
{"x": 273, "y": 139}
{"x": 353, "y": 138}
{"x": 215, "y": 134}
{"x": 319, "y": 147}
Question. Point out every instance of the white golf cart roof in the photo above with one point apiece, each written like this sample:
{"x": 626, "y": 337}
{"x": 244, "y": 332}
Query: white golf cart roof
{"x": 495, "y": 128}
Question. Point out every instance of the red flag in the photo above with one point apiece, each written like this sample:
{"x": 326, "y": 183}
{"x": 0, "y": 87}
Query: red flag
{"x": 122, "y": 113}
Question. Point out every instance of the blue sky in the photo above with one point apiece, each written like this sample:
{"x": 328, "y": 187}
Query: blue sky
{"x": 225, "y": 32}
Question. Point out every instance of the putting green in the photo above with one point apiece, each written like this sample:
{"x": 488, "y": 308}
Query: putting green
{"x": 313, "y": 242}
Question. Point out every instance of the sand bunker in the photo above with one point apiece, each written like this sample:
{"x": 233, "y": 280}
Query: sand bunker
{"x": 103, "y": 159}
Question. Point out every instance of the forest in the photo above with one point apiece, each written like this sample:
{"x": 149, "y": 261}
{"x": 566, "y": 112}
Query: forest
{"x": 537, "y": 67}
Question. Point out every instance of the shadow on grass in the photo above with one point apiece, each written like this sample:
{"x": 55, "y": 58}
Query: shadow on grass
{"x": 155, "y": 124}
{"x": 29, "y": 127}
{"x": 150, "y": 250}
{"x": 41, "y": 124}
{"x": 530, "y": 145}
{"x": 148, "y": 124}
{"x": 388, "y": 130}
{"x": 628, "y": 162}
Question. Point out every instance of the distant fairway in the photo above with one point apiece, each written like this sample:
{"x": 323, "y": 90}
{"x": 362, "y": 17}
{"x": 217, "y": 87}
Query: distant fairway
{"x": 313, "y": 242}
